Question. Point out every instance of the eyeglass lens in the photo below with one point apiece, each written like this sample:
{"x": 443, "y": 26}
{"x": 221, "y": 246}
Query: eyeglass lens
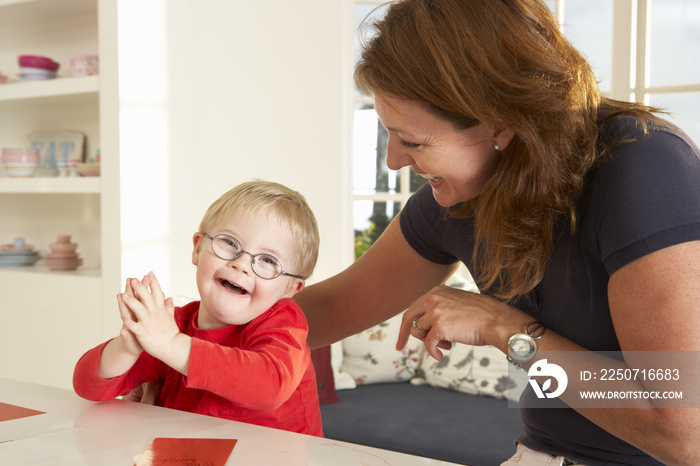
{"x": 229, "y": 248}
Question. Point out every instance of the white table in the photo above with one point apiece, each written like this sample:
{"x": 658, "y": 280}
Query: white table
{"x": 78, "y": 432}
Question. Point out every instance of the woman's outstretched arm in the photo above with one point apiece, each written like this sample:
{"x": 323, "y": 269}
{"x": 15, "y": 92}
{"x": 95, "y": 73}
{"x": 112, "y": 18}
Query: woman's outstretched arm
{"x": 379, "y": 285}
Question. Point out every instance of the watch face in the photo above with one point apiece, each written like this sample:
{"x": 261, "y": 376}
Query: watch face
{"x": 521, "y": 347}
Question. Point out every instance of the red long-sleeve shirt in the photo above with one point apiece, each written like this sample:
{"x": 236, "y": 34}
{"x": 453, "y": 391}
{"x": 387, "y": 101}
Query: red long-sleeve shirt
{"x": 260, "y": 373}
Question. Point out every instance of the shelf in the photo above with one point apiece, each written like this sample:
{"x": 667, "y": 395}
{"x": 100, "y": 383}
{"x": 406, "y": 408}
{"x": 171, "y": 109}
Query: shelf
{"x": 80, "y": 272}
{"x": 50, "y": 88}
{"x": 32, "y": 11}
{"x": 41, "y": 185}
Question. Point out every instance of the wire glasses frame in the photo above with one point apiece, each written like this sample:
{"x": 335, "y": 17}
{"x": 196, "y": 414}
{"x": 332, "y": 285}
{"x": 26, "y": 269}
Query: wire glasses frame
{"x": 265, "y": 266}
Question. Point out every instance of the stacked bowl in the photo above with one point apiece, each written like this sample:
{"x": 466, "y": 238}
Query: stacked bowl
{"x": 18, "y": 254}
{"x": 35, "y": 67}
{"x": 84, "y": 65}
{"x": 19, "y": 162}
{"x": 89, "y": 169}
{"x": 63, "y": 255}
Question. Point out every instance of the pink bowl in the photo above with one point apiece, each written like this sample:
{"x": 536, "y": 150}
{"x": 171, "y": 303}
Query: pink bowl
{"x": 36, "y": 61}
{"x": 63, "y": 248}
{"x": 63, "y": 239}
{"x": 84, "y": 65}
{"x": 19, "y": 159}
{"x": 15, "y": 154}
{"x": 70, "y": 265}
{"x": 20, "y": 165}
{"x": 61, "y": 256}
{"x": 88, "y": 171}
{"x": 18, "y": 171}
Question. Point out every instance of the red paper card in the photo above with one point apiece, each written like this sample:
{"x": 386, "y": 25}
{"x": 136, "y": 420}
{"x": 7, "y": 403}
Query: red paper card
{"x": 209, "y": 451}
{"x": 10, "y": 412}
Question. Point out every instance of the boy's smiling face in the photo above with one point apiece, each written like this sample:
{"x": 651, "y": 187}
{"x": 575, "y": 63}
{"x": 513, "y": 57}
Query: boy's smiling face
{"x": 230, "y": 292}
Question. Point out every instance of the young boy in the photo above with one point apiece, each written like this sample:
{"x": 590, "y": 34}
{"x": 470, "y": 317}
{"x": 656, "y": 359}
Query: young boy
{"x": 240, "y": 352}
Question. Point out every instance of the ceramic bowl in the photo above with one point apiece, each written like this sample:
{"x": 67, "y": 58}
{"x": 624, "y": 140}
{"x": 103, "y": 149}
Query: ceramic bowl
{"x": 30, "y": 73}
{"x": 19, "y": 159}
{"x": 57, "y": 264}
{"x": 18, "y": 259}
{"x": 38, "y": 62}
{"x": 63, "y": 239}
{"x": 63, "y": 248}
{"x": 89, "y": 169}
{"x": 20, "y": 166}
{"x": 84, "y": 65}
{"x": 28, "y": 249}
{"x": 19, "y": 153}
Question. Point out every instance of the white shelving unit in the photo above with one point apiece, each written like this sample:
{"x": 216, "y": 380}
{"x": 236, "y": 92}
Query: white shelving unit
{"x": 40, "y": 208}
{"x": 58, "y": 29}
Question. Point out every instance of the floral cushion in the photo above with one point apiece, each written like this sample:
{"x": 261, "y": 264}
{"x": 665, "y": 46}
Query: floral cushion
{"x": 343, "y": 380}
{"x": 477, "y": 370}
{"x": 371, "y": 356}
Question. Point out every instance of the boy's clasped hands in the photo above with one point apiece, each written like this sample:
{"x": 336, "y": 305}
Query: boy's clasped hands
{"x": 149, "y": 323}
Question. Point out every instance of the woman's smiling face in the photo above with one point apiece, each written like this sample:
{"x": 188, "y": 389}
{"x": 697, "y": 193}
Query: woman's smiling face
{"x": 457, "y": 163}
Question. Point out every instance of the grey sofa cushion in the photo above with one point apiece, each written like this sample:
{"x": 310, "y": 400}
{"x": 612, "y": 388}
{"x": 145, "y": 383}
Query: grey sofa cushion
{"x": 425, "y": 421}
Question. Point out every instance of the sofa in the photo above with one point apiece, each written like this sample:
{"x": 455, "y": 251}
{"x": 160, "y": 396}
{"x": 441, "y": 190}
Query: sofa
{"x": 462, "y": 409}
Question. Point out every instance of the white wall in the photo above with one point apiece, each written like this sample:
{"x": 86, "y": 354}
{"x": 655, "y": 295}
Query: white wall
{"x": 216, "y": 92}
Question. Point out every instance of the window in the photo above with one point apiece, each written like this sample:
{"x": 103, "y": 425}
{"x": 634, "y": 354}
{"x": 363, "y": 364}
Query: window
{"x": 643, "y": 50}
{"x": 588, "y": 24}
{"x": 639, "y": 49}
{"x": 378, "y": 193}
{"x": 671, "y": 78}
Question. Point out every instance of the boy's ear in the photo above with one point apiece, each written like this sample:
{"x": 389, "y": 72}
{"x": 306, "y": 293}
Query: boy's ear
{"x": 295, "y": 287}
{"x": 197, "y": 243}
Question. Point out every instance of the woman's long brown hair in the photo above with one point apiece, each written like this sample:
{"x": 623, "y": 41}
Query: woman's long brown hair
{"x": 506, "y": 63}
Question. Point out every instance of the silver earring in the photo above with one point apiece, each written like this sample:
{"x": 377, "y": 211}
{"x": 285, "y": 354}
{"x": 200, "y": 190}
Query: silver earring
{"x": 496, "y": 147}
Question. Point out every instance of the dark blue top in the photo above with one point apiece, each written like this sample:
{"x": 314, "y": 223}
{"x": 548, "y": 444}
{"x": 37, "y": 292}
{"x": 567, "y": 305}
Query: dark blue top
{"x": 644, "y": 197}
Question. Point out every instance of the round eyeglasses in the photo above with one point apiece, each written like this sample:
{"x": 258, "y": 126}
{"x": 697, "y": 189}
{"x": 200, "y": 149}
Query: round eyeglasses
{"x": 265, "y": 266}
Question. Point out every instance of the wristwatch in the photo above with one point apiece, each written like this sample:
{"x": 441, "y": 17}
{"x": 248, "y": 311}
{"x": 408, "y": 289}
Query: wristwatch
{"x": 522, "y": 346}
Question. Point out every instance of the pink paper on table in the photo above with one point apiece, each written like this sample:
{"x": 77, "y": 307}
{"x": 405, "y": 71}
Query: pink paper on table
{"x": 209, "y": 451}
{"x": 9, "y": 412}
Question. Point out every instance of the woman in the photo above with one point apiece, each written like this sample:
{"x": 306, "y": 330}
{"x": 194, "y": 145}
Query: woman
{"x": 571, "y": 210}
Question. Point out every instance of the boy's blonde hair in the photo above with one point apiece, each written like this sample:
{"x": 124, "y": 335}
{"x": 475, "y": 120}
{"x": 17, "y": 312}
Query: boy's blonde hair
{"x": 289, "y": 206}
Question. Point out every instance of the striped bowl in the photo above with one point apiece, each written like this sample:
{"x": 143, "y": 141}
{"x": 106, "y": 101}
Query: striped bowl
{"x": 20, "y": 151}
{"x": 20, "y": 169}
{"x": 19, "y": 162}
